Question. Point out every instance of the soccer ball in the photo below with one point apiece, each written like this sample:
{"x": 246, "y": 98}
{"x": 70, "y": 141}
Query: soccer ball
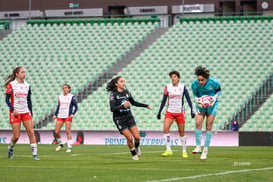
{"x": 205, "y": 101}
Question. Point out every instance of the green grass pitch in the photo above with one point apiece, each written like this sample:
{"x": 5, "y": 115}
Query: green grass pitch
{"x": 113, "y": 163}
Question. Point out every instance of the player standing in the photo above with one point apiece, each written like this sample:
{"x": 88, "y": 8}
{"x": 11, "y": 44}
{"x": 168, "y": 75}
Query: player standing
{"x": 204, "y": 85}
{"x": 120, "y": 100}
{"x": 66, "y": 109}
{"x": 175, "y": 93}
{"x": 18, "y": 99}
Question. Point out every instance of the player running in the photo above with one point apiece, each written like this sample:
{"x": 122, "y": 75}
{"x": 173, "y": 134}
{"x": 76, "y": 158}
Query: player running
{"x": 66, "y": 109}
{"x": 204, "y": 85}
{"x": 175, "y": 93}
{"x": 18, "y": 99}
{"x": 120, "y": 100}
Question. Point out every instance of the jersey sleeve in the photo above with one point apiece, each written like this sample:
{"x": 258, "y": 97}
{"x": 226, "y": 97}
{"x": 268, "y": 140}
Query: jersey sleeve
{"x": 9, "y": 89}
{"x": 165, "y": 90}
{"x": 218, "y": 88}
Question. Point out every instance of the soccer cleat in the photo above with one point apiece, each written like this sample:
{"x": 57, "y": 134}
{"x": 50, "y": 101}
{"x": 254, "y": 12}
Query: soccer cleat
{"x": 135, "y": 158}
{"x": 167, "y": 153}
{"x": 59, "y": 147}
{"x": 69, "y": 150}
{"x": 197, "y": 150}
{"x": 10, "y": 154}
{"x": 35, "y": 157}
{"x": 185, "y": 155}
{"x": 138, "y": 151}
{"x": 204, "y": 155}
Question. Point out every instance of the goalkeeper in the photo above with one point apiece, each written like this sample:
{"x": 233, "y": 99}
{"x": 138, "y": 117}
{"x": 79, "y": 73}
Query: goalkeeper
{"x": 204, "y": 85}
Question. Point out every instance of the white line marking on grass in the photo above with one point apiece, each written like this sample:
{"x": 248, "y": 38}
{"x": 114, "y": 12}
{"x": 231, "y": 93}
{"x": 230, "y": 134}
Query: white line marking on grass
{"x": 212, "y": 174}
{"x": 145, "y": 152}
{"x": 75, "y": 155}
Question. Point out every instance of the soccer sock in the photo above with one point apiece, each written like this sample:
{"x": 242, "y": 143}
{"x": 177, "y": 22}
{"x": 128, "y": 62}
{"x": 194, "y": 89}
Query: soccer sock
{"x": 11, "y": 145}
{"x": 59, "y": 140}
{"x": 183, "y": 143}
{"x": 198, "y": 136}
{"x": 133, "y": 151}
{"x": 167, "y": 141}
{"x": 34, "y": 149}
{"x": 136, "y": 145}
{"x": 69, "y": 144}
{"x": 208, "y": 138}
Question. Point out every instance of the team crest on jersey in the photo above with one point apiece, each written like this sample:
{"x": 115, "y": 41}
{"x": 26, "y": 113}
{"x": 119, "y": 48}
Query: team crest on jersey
{"x": 210, "y": 87}
{"x": 111, "y": 97}
{"x": 117, "y": 97}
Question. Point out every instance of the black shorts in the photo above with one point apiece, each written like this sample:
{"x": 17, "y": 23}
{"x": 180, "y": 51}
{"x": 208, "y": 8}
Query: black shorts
{"x": 124, "y": 122}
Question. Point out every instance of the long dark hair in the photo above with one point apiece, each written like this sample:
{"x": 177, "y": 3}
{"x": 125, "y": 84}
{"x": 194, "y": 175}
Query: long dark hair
{"x": 12, "y": 76}
{"x": 111, "y": 86}
{"x": 202, "y": 71}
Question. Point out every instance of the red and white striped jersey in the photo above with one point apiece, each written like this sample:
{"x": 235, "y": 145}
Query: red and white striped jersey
{"x": 19, "y": 93}
{"x": 64, "y": 103}
{"x": 175, "y": 94}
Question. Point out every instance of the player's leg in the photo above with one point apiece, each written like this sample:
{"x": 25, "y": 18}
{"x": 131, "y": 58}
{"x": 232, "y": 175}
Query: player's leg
{"x": 127, "y": 134}
{"x": 33, "y": 144}
{"x": 209, "y": 123}
{"x": 135, "y": 133}
{"x": 59, "y": 124}
{"x": 180, "y": 121}
{"x": 199, "y": 118}
{"x": 168, "y": 121}
{"x": 15, "y": 136}
{"x": 69, "y": 135}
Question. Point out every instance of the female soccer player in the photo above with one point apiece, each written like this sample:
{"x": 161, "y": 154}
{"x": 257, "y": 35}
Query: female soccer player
{"x": 175, "y": 93}
{"x": 66, "y": 109}
{"x": 204, "y": 85}
{"x": 18, "y": 99}
{"x": 120, "y": 100}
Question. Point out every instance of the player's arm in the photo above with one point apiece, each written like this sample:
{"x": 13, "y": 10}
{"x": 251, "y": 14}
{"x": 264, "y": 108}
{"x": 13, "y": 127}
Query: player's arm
{"x": 189, "y": 101}
{"x": 8, "y": 96}
{"x": 218, "y": 92}
{"x": 195, "y": 95}
{"x": 135, "y": 103}
{"x": 113, "y": 106}
{"x": 29, "y": 102}
{"x": 163, "y": 102}
{"x": 74, "y": 105}
{"x": 57, "y": 109}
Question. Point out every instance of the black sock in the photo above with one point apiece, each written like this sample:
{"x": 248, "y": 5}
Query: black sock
{"x": 136, "y": 145}
{"x": 133, "y": 151}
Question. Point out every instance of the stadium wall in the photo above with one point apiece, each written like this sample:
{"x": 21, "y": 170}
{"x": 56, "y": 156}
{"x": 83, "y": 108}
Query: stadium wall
{"x": 255, "y": 138}
{"x": 17, "y": 5}
{"x": 219, "y": 138}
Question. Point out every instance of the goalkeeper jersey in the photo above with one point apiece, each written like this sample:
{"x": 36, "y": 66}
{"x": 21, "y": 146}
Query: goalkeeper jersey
{"x": 211, "y": 88}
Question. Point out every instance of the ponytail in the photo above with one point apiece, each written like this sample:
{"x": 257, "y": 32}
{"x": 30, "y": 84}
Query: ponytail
{"x": 12, "y": 76}
{"x": 111, "y": 86}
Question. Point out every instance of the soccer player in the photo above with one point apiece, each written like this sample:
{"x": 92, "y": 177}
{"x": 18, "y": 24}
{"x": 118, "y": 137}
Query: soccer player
{"x": 18, "y": 99}
{"x": 204, "y": 85}
{"x": 120, "y": 100}
{"x": 66, "y": 109}
{"x": 175, "y": 93}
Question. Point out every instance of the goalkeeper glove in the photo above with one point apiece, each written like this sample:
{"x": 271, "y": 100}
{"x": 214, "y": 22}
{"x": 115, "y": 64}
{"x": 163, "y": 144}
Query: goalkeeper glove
{"x": 213, "y": 100}
{"x": 198, "y": 102}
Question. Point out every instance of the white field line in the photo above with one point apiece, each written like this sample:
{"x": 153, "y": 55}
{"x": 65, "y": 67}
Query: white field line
{"x": 212, "y": 174}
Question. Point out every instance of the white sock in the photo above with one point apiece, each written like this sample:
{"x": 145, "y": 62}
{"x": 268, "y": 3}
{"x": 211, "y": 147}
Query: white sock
{"x": 167, "y": 141}
{"x": 11, "y": 145}
{"x": 206, "y": 149}
{"x": 69, "y": 144}
{"x": 183, "y": 143}
{"x": 34, "y": 149}
{"x": 59, "y": 140}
